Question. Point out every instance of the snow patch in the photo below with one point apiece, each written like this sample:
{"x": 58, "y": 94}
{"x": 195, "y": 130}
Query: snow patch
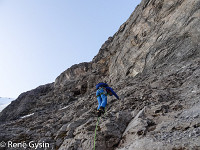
{"x": 27, "y": 116}
{"x": 65, "y": 107}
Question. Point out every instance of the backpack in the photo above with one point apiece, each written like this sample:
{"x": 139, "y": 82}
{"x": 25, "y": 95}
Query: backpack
{"x": 101, "y": 84}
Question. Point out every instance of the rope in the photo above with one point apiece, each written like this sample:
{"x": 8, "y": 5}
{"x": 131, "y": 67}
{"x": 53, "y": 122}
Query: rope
{"x": 96, "y": 128}
{"x": 96, "y": 131}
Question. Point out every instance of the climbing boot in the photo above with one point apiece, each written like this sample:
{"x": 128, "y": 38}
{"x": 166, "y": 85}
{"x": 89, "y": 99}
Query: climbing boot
{"x": 98, "y": 128}
{"x": 98, "y": 113}
{"x": 102, "y": 109}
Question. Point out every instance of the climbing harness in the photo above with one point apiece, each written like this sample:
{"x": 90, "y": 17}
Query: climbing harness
{"x": 102, "y": 91}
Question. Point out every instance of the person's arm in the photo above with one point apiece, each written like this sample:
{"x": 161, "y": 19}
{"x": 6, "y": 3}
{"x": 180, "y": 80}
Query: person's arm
{"x": 109, "y": 88}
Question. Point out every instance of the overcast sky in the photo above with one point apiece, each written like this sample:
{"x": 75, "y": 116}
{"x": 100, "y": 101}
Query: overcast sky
{"x": 39, "y": 39}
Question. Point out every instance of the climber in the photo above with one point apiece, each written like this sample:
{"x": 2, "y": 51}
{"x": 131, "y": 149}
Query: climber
{"x": 102, "y": 91}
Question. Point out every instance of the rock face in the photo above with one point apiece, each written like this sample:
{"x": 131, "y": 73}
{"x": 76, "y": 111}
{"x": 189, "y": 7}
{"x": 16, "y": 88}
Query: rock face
{"x": 152, "y": 62}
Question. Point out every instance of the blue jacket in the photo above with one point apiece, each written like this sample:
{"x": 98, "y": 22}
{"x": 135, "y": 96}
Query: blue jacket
{"x": 110, "y": 89}
{"x": 107, "y": 89}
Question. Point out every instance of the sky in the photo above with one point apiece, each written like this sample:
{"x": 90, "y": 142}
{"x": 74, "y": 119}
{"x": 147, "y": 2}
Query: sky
{"x": 4, "y": 102}
{"x": 39, "y": 39}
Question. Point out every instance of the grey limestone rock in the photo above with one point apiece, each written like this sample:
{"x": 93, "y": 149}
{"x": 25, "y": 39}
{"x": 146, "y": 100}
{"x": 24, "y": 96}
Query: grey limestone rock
{"x": 152, "y": 62}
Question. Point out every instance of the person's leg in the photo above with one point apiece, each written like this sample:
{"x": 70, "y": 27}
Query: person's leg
{"x": 99, "y": 102}
{"x": 104, "y": 100}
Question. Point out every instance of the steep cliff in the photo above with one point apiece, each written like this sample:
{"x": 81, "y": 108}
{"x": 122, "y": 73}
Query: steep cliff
{"x": 152, "y": 62}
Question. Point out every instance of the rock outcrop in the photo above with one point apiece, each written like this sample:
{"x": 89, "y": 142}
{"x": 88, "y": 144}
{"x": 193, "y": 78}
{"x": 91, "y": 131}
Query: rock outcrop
{"x": 152, "y": 62}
